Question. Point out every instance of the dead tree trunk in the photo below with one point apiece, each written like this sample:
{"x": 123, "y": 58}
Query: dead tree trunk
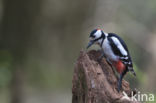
{"x": 95, "y": 82}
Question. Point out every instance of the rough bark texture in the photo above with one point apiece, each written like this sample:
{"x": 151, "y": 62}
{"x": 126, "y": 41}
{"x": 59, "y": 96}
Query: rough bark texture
{"x": 95, "y": 82}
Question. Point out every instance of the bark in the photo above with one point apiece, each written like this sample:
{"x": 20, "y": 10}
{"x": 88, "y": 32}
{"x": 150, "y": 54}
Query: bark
{"x": 95, "y": 81}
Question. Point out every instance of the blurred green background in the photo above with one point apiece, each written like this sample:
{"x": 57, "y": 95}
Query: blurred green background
{"x": 40, "y": 41}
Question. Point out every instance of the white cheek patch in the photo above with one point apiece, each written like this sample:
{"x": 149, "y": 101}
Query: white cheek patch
{"x": 98, "y": 34}
{"x": 119, "y": 45}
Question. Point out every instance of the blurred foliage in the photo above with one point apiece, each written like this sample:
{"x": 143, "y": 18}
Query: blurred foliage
{"x": 5, "y": 72}
{"x": 139, "y": 80}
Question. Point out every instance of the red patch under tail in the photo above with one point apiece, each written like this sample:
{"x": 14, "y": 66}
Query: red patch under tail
{"x": 120, "y": 67}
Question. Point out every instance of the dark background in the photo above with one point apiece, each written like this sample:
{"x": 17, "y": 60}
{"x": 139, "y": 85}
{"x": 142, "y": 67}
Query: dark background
{"x": 40, "y": 41}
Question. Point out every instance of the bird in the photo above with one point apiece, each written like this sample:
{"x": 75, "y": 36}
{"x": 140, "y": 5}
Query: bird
{"x": 115, "y": 50}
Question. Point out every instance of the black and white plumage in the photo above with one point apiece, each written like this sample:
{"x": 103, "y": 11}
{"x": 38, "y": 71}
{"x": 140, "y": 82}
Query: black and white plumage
{"x": 115, "y": 50}
{"x": 120, "y": 49}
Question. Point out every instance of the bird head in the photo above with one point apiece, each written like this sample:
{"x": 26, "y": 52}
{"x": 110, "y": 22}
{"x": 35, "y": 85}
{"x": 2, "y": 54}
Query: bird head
{"x": 96, "y": 37}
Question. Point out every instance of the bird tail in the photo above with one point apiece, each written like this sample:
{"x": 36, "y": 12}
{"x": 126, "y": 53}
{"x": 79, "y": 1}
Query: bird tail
{"x": 132, "y": 70}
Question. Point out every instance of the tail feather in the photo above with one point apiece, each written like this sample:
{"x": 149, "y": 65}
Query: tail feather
{"x": 132, "y": 70}
{"x": 133, "y": 73}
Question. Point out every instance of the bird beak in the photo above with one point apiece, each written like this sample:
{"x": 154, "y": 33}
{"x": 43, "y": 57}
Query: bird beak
{"x": 90, "y": 43}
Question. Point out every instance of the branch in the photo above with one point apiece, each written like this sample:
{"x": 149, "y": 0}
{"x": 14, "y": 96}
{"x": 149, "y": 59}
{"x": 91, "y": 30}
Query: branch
{"x": 95, "y": 82}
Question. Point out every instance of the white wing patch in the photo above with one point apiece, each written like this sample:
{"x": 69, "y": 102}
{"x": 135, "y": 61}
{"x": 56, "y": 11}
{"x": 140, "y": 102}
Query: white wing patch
{"x": 124, "y": 57}
{"x": 119, "y": 45}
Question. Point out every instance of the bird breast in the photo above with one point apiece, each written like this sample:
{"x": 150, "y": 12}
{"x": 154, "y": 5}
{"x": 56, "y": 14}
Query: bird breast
{"x": 108, "y": 51}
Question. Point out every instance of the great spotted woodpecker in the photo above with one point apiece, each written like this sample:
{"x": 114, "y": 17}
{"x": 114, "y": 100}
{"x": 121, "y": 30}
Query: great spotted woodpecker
{"x": 114, "y": 50}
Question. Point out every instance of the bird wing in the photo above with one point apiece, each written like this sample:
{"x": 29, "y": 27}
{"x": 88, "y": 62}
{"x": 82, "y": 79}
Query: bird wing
{"x": 120, "y": 49}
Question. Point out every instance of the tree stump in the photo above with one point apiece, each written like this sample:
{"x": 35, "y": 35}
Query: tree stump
{"x": 95, "y": 82}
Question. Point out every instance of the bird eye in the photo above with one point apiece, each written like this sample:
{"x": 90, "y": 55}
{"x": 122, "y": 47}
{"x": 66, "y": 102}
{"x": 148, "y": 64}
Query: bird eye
{"x": 92, "y": 36}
